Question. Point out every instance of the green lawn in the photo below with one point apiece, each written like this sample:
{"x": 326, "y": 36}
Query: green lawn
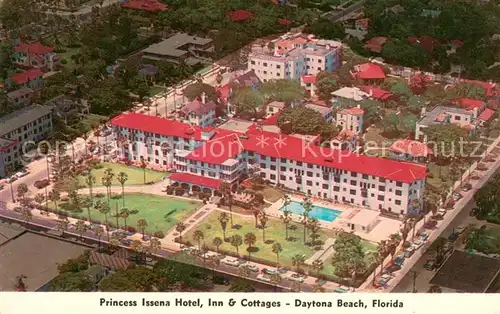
{"x": 67, "y": 56}
{"x": 493, "y": 238}
{"x": 438, "y": 173}
{"x": 155, "y": 90}
{"x": 275, "y": 232}
{"x": 135, "y": 174}
{"x": 151, "y": 207}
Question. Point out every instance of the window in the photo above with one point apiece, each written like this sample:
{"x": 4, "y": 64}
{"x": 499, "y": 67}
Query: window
{"x": 380, "y": 197}
{"x": 354, "y": 174}
{"x": 309, "y": 183}
{"x": 278, "y": 66}
{"x": 381, "y": 180}
{"x": 457, "y": 118}
{"x": 264, "y": 64}
{"x": 399, "y": 193}
{"x": 310, "y": 166}
{"x": 381, "y": 188}
{"x": 336, "y": 188}
{"x": 273, "y": 159}
{"x": 273, "y": 177}
{"x": 325, "y": 186}
{"x": 263, "y": 166}
{"x": 299, "y": 163}
{"x": 282, "y": 177}
{"x": 397, "y": 202}
{"x": 273, "y": 167}
{"x": 400, "y": 184}
{"x": 252, "y": 62}
{"x": 353, "y": 182}
{"x": 309, "y": 174}
{"x": 352, "y": 192}
{"x": 365, "y": 176}
{"x": 283, "y": 168}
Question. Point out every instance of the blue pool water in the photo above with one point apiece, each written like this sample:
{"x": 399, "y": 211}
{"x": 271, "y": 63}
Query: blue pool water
{"x": 318, "y": 212}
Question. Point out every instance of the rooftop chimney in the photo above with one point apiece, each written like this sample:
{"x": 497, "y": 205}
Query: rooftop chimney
{"x": 359, "y": 106}
{"x": 203, "y": 98}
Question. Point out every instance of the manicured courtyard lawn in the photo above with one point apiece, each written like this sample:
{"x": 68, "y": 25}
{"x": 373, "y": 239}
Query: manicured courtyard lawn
{"x": 153, "y": 208}
{"x": 275, "y": 232}
{"x": 135, "y": 174}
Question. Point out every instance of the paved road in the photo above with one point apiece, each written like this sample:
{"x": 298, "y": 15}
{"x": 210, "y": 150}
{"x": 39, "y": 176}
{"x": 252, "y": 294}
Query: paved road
{"x": 338, "y": 15}
{"x": 90, "y": 238}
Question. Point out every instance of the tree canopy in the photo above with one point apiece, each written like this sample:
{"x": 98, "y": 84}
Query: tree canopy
{"x": 139, "y": 279}
{"x": 72, "y": 282}
{"x": 301, "y": 120}
{"x": 445, "y": 139}
{"x": 348, "y": 256}
{"x": 488, "y": 200}
{"x": 282, "y": 90}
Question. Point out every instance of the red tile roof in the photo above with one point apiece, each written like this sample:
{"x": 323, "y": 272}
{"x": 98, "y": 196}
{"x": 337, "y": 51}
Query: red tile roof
{"x": 239, "y": 15}
{"x": 486, "y": 114}
{"x": 194, "y": 179}
{"x": 352, "y": 111}
{"x": 426, "y": 42}
{"x": 309, "y": 79}
{"x": 145, "y": 5}
{"x": 284, "y": 22}
{"x": 457, "y": 43}
{"x": 376, "y": 44}
{"x": 363, "y": 23}
{"x": 368, "y": 71}
{"x": 223, "y": 147}
{"x": 224, "y": 91}
{"x": 376, "y": 93}
{"x": 489, "y": 88}
{"x": 33, "y": 48}
{"x": 157, "y": 125}
{"x": 469, "y": 103}
{"x": 414, "y": 148}
{"x": 24, "y": 77}
{"x": 198, "y": 108}
{"x": 272, "y": 120}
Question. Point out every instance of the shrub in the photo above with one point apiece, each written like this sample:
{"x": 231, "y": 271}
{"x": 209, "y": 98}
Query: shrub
{"x": 159, "y": 234}
{"x": 99, "y": 195}
{"x": 116, "y": 196}
{"x": 64, "y": 61}
{"x": 131, "y": 229}
{"x": 98, "y": 166}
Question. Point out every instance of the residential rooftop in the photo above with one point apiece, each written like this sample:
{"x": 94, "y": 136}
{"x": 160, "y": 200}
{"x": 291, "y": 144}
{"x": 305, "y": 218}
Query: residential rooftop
{"x": 431, "y": 117}
{"x": 172, "y": 46}
{"x": 19, "y": 92}
{"x": 20, "y": 118}
{"x": 36, "y": 257}
{"x": 467, "y": 272}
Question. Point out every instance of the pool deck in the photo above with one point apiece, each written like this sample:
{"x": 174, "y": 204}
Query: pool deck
{"x": 382, "y": 230}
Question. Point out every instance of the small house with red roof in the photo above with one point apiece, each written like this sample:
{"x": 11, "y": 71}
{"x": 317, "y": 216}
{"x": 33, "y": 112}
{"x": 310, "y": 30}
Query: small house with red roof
{"x": 309, "y": 83}
{"x": 362, "y": 24}
{"x": 145, "y": 5}
{"x": 377, "y": 93}
{"x": 198, "y": 112}
{"x": 428, "y": 43}
{"x": 368, "y": 72}
{"x": 470, "y": 104}
{"x": 35, "y": 55}
{"x": 376, "y": 44}
{"x": 351, "y": 119}
{"x": 410, "y": 150}
{"x": 486, "y": 115}
{"x": 239, "y": 15}
{"x": 32, "y": 78}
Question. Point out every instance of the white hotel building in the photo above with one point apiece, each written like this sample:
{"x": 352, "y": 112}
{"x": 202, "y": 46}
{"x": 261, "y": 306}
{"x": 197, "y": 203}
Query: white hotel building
{"x": 294, "y": 58}
{"x": 204, "y": 158}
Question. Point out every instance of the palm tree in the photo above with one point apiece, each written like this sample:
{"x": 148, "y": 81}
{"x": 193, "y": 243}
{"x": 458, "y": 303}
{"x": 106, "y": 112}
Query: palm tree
{"x": 180, "y": 227}
{"x": 55, "y": 197}
{"x": 90, "y": 181}
{"x": 317, "y": 266}
{"x": 256, "y": 214}
{"x": 122, "y": 178}
{"x": 307, "y": 205}
{"x": 124, "y": 214}
{"x": 244, "y": 271}
{"x": 62, "y": 225}
{"x": 22, "y": 190}
{"x": 106, "y": 181}
{"x": 298, "y": 261}
{"x": 382, "y": 250}
{"x": 98, "y": 231}
{"x": 413, "y": 224}
{"x": 217, "y": 242}
{"x": 435, "y": 289}
{"x": 263, "y": 221}
{"x": 236, "y": 241}
{"x": 144, "y": 165}
{"x": 373, "y": 258}
{"x": 27, "y": 215}
{"x": 223, "y": 219}
{"x": 39, "y": 198}
{"x": 249, "y": 240}
{"x": 104, "y": 209}
{"x": 81, "y": 228}
{"x": 198, "y": 236}
{"x": 286, "y": 218}
{"x": 214, "y": 262}
{"x": 142, "y": 224}
{"x": 277, "y": 249}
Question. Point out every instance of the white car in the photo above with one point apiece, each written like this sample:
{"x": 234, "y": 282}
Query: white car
{"x": 11, "y": 179}
{"x": 442, "y": 212}
{"x": 21, "y": 174}
{"x": 264, "y": 278}
{"x": 251, "y": 267}
{"x": 296, "y": 277}
{"x": 232, "y": 262}
{"x": 417, "y": 244}
{"x": 164, "y": 188}
{"x": 460, "y": 229}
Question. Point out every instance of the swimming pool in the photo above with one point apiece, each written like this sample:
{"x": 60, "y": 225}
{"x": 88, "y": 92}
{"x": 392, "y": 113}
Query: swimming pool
{"x": 318, "y": 212}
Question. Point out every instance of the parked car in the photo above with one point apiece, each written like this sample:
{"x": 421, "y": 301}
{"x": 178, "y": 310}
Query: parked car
{"x": 430, "y": 224}
{"x": 460, "y": 229}
{"x": 251, "y": 267}
{"x": 399, "y": 260}
{"x": 297, "y": 277}
{"x": 417, "y": 244}
{"x": 11, "y": 179}
{"x": 384, "y": 279}
{"x": 466, "y": 187}
{"x": 269, "y": 271}
{"x": 442, "y": 212}
{"x": 430, "y": 264}
{"x": 40, "y": 184}
{"x": 423, "y": 236}
{"x": 232, "y": 261}
{"x": 263, "y": 277}
{"x": 453, "y": 236}
{"x": 456, "y": 196}
{"x": 409, "y": 251}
